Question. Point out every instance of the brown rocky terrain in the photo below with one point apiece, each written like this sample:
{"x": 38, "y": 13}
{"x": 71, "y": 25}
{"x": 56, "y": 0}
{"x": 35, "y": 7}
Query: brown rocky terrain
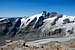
{"x": 53, "y": 45}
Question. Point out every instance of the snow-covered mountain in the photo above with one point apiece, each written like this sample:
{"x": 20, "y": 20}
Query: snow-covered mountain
{"x": 46, "y": 24}
{"x": 53, "y": 23}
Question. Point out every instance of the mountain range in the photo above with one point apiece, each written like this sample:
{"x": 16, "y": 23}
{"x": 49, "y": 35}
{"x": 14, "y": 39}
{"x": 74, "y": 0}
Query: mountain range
{"x": 50, "y": 24}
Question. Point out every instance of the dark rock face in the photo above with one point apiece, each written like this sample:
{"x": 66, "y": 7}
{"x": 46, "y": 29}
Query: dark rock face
{"x": 32, "y": 22}
{"x": 4, "y": 26}
{"x": 66, "y": 21}
{"x": 15, "y": 27}
{"x": 39, "y": 22}
{"x": 10, "y": 26}
{"x": 57, "y": 31}
{"x": 44, "y": 14}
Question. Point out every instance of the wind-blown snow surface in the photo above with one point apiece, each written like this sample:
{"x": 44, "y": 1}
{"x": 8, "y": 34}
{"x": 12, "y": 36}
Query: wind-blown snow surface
{"x": 51, "y": 24}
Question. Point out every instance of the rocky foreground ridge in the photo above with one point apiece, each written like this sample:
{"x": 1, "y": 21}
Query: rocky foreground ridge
{"x": 53, "y": 45}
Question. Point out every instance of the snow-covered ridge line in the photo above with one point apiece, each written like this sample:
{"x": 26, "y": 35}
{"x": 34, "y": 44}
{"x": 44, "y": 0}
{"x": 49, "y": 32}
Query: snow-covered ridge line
{"x": 52, "y": 24}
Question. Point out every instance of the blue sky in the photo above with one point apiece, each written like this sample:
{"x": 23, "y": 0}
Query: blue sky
{"x": 15, "y": 8}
